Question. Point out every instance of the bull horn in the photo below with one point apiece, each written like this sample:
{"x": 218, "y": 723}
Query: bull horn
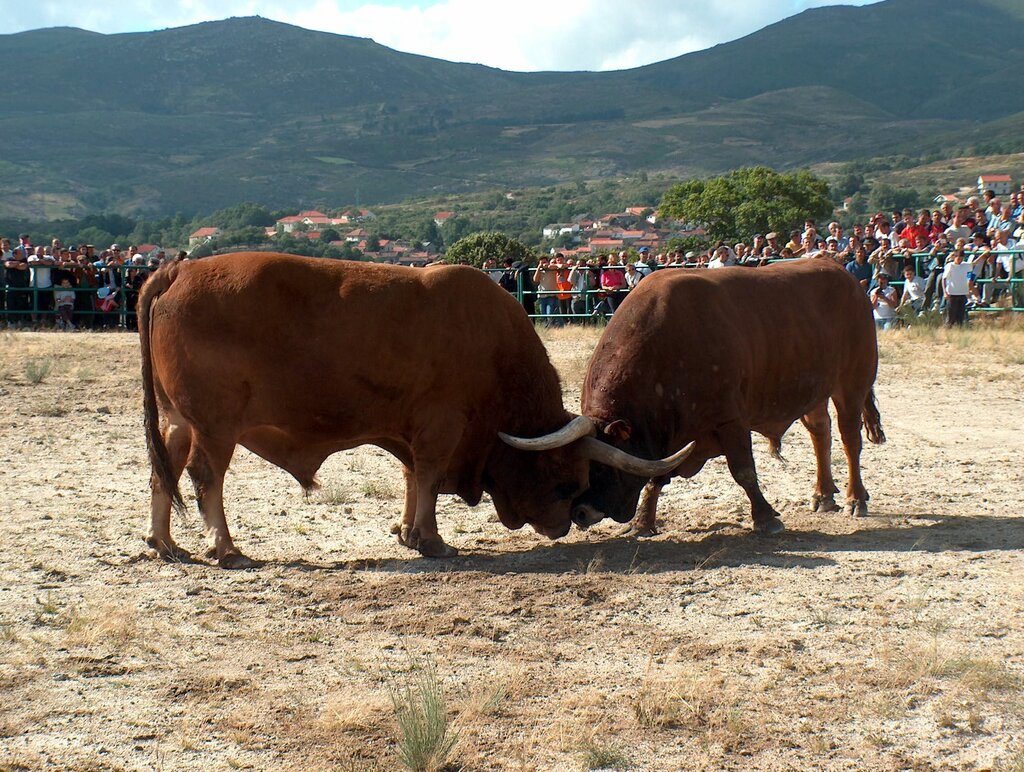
{"x": 611, "y": 456}
{"x": 580, "y": 426}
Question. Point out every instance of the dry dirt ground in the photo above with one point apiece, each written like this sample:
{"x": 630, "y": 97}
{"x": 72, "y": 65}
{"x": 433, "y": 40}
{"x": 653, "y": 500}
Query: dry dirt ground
{"x": 889, "y": 642}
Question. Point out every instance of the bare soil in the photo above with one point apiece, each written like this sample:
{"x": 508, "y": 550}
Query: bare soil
{"x": 891, "y": 642}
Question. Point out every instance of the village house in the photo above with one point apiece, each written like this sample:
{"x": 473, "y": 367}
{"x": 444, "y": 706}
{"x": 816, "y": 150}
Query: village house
{"x": 203, "y": 235}
{"x": 997, "y": 183}
{"x": 561, "y": 229}
{"x": 442, "y": 217}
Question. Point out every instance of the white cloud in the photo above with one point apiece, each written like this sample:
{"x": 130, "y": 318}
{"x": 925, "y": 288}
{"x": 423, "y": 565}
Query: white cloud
{"x": 528, "y": 35}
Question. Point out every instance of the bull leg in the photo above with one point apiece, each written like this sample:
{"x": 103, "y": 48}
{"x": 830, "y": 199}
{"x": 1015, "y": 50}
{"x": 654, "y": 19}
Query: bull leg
{"x": 206, "y": 466}
{"x": 819, "y": 425}
{"x": 431, "y": 455}
{"x": 178, "y": 439}
{"x": 424, "y": 536}
{"x": 848, "y": 415}
{"x": 643, "y": 523}
{"x": 739, "y": 454}
{"x": 405, "y": 526}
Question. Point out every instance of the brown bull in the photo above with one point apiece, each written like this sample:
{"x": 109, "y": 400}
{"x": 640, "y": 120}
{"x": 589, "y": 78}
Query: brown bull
{"x": 709, "y": 356}
{"x": 296, "y": 359}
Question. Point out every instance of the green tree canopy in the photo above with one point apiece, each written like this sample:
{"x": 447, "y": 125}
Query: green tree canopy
{"x": 754, "y": 199}
{"x": 478, "y": 247}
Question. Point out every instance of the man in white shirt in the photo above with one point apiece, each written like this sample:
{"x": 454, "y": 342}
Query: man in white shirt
{"x": 956, "y": 286}
{"x": 722, "y": 258}
{"x": 884, "y": 300}
{"x": 913, "y": 290}
{"x": 40, "y": 265}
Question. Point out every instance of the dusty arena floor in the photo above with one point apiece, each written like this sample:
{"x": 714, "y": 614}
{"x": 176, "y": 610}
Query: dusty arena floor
{"x": 894, "y": 642}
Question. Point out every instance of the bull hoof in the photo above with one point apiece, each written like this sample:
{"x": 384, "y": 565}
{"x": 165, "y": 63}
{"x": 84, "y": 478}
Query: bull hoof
{"x": 769, "y": 526}
{"x": 856, "y": 508}
{"x": 639, "y": 531}
{"x": 436, "y": 548}
{"x": 234, "y": 561}
{"x": 405, "y": 536}
{"x": 397, "y": 528}
{"x": 167, "y": 550}
{"x": 823, "y": 504}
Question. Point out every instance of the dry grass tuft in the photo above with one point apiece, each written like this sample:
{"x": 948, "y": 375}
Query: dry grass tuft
{"x": 352, "y": 712}
{"x": 37, "y": 370}
{"x": 108, "y": 626}
{"x": 335, "y": 494}
{"x": 601, "y": 756}
{"x": 380, "y": 490}
{"x": 425, "y": 734}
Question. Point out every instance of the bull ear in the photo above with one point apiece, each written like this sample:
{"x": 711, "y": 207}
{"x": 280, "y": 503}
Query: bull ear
{"x": 620, "y": 430}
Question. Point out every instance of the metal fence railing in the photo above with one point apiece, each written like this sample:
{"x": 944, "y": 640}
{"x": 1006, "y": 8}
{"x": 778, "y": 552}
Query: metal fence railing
{"x": 106, "y": 297}
{"x": 581, "y": 302}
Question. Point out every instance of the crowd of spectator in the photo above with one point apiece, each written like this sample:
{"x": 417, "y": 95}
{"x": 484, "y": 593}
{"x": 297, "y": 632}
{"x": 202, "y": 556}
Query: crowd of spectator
{"x": 70, "y": 287}
{"x": 950, "y": 259}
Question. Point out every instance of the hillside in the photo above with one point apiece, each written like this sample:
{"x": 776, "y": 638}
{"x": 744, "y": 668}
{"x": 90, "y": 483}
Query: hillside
{"x": 197, "y": 118}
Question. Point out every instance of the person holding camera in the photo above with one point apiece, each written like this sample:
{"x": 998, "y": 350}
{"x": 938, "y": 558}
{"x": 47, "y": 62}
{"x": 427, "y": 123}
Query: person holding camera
{"x": 884, "y": 300}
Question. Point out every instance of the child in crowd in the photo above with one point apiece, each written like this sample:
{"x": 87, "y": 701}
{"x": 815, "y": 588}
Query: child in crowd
{"x": 913, "y": 290}
{"x": 957, "y": 278}
{"x": 64, "y": 300}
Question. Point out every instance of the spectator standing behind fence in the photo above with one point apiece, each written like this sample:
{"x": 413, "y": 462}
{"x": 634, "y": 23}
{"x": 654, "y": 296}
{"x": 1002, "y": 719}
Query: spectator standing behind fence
{"x": 41, "y": 265}
{"x": 5, "y": 255}
{"x": 546, "y": 279}
{"x": 934, "y": 265}
{"x": 19, "y": 301}
{"x": 563, "y": 284}
{"x": 722, "y": 259}
{"x": 64, "y": 299}
{"x": 956, "y": 286}
{"x": 583, "y": 281}
{"x": 633, "y": 276}
{"x": 861, "y": 269}
{"x": 1006, "y": 264}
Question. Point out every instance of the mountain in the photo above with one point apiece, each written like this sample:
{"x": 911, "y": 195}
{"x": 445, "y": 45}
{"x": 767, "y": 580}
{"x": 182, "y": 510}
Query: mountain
{"x": 201, "y": 117}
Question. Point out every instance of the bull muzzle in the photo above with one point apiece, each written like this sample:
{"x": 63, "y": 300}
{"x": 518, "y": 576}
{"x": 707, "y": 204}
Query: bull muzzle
{"x": 584, "y": 516}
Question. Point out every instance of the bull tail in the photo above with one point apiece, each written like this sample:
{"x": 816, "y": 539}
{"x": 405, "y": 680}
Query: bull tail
{"x": 159, "y": 457}
{"x": 872, "y": 419}
{"x": 775, "y": 448}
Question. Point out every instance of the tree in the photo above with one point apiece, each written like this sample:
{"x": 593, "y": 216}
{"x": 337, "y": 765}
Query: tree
{"x": 746, "y": 201}
{"x": 327, "y": 235}
{"x": 885, "y": 198}
{"x": 483, "y": 246}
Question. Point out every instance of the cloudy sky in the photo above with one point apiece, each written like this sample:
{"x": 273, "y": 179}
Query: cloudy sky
{"x": 523, "y": 35}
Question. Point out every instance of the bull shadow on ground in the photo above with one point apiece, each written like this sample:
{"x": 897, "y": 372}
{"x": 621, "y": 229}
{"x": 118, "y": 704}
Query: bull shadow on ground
{"x": 723, "y": 544}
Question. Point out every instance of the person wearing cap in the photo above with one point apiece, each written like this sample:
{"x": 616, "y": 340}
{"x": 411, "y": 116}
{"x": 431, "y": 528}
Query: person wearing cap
{"x": 641, "y": 264}
{"x": 772, "y": 240}
{"x": 884, "y": 300}
{"x": 757, "y": 245}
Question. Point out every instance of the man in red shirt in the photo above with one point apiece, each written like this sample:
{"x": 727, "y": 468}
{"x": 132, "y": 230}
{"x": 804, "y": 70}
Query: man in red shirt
{"x": 920, "y": 233}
